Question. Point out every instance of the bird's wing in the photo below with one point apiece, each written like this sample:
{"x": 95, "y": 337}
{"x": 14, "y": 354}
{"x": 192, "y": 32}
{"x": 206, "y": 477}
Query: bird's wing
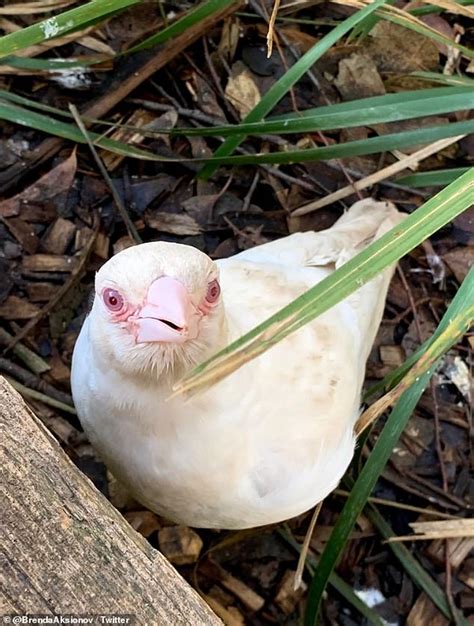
{"x": 309, "y": 257}
{"x": 364, "y": 221}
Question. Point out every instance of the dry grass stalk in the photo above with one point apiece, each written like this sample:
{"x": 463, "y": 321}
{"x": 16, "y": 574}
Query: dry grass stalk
{"x": 412, "y": 160}
{"x": 439, "y": 529}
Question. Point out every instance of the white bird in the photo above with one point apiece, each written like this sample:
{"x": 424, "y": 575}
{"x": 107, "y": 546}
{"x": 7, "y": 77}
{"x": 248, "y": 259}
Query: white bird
{"x": 270, "y": 440}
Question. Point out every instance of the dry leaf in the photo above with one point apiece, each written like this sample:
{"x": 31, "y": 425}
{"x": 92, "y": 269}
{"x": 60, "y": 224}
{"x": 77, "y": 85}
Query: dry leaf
{"x": 242, "y": 90}
{"x": 174, "y": 223}
{"x": 396, "y": 49}
{"x": 359, "y": 78}
{"x": 56, "y": 182}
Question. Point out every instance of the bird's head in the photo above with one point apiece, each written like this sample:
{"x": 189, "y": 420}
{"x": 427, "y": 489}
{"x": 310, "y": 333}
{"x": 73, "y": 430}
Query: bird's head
{"x": 157, "y": 307}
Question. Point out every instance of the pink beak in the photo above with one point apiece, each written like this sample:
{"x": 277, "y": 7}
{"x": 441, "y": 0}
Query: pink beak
{"x": 168, "y": 314}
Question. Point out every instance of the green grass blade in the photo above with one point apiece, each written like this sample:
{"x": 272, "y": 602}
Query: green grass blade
{"x": 180, "y": 25}
{"x": 386, "y": 108}
{"x": 19, "y": 115}
{"x": 49, "y": 65}
{"x": 436, "y": 178}
{"x": 367, "y": 111}
{"x": 417, "y": 572}
{"x": 337, "y": 583}
{"x": 445, "y": 79}
{"x": 421, "y": 224}
{"x": 457, "y": 319}
{"x": 383, "y": 143}
{"x": 284, "y": 84}
{"x": 429, "y": 8}
{"x": 59, "y": 25}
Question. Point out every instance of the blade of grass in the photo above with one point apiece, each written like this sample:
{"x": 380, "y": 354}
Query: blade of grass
{"x": 445, "y": 79}
{"x": 336, "y": 582}
{"x": 71, "y": 20}
{"x": 383, "y": 143}
{"x": 436, "y": 178}
{"x": 417, "y": 227}
{"x": 457, "y": 320}
{"x": 409, "y": 161}
{"x": 18, "y": 115}
{"x": 367, "y": 111}
{"x": 50, "y": 65}
{"x": 286, "y": 82}
{"x": 429, "y": 8}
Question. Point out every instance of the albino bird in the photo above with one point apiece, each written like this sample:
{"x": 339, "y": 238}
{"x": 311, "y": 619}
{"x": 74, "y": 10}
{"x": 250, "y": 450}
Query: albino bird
{"x": 270, "y": 440}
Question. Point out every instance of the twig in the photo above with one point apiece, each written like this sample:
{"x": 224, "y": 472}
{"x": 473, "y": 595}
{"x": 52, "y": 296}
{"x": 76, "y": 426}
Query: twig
{"x": 132, "y": 231}
{"x": 41, "y": 397}
{"x": 439, "y": 450}
{"x": 271, "y": 27}
{"x": 32, "y": 360}
{"x": 249, "y": 194}
{"x": 449, "y": 496}
{"x": 305, "y": 547}
{"x": 30, "y": 380}
{"x": 386, "y": 172}
{"x": 215, "y": 78}
{"x": 399, "y": 505}
{"x": 58, "y": 296}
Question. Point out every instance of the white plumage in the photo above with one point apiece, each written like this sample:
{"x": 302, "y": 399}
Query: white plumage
{"x": 276, "y": 436}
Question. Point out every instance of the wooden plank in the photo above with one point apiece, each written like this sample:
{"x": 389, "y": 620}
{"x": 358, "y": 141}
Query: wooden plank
{"x": 67, "y": 550}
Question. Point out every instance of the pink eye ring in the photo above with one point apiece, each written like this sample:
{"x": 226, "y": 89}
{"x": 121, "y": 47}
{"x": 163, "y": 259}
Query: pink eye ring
{"x": 213, "y": 291}
{"x": 113, "y": 300}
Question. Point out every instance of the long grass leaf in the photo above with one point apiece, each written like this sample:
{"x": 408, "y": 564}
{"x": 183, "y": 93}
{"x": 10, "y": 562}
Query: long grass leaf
{"x": 367, "y": 111}
{"x": 383, "y": 143}
{"x": 388, "y": 108}
{"x": 445, "y": 79}
{"x": 436, "y": 178}
{"x": 286, "y": 82}
{"x": 418, "y": 226}
{"x": 19, "y": 115}
{"x": 456, "y": 326}
{"x": 59, "y": 25}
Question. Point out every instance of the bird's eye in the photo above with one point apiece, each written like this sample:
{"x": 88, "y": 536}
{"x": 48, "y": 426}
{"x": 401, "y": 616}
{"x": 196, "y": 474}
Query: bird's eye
{"x": 113, "y": 300}
{"x": 213, "y": 291}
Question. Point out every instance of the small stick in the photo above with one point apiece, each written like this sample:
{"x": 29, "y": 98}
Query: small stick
{"x": 368, "y": 181}
{"x": 399, "y": 505}
{"x": 33, "y": 381}
{"x": 41, "y": 397}
{"x": 32, "y": 360}
{"x": 132, "y": 231}
{"x": 305, "y": 547}
{"x": 271, "y": 27}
